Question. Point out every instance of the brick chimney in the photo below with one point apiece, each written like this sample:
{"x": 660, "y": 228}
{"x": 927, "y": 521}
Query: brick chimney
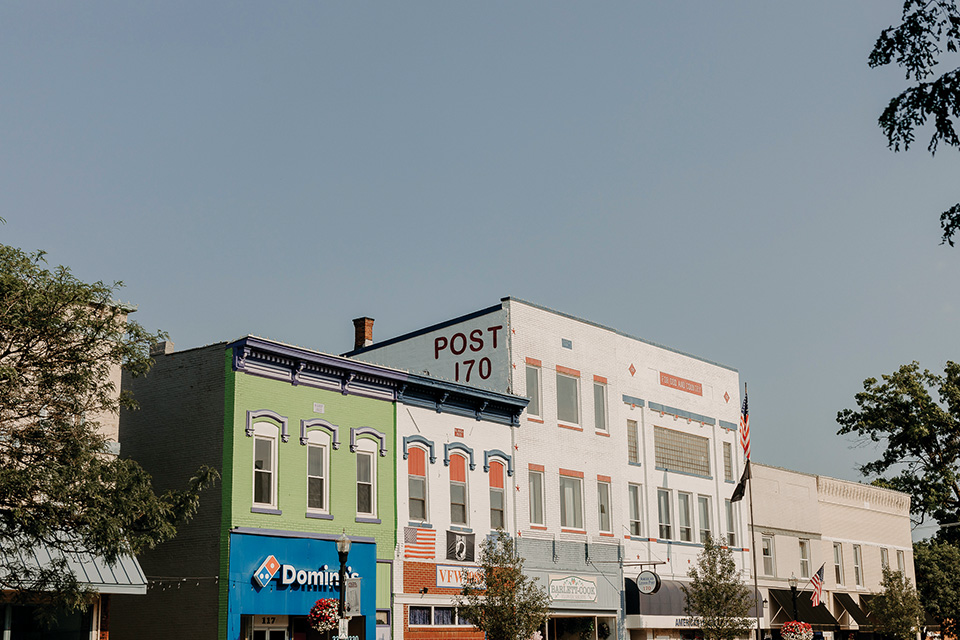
{"x": 161, "y": 348}
{"x": 362, "y": 332}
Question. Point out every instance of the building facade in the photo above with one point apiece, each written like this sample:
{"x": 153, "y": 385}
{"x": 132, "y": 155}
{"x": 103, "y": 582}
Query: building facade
{"x": 305, "y": 444}
{"x": 803, "y": 521}
{"x": 625, "y": 459}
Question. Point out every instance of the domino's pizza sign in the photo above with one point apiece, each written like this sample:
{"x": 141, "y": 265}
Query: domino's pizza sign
{"x": 267, "y": 570}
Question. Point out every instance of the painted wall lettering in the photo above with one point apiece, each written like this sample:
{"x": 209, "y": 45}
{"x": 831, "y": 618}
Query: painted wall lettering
{"x": 458, "y": 343}
{"x": 681, "y": 384}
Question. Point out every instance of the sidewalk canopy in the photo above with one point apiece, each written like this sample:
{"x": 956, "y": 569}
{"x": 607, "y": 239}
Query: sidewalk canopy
{"x": 805, "y": 609}
{"x": 124, "y": 576}
{"x": 848, "y": 603}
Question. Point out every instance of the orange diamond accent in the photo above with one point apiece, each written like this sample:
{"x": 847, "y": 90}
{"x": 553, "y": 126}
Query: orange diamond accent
{"x": 726, "y": 397}
{"x": 632, "y": 370}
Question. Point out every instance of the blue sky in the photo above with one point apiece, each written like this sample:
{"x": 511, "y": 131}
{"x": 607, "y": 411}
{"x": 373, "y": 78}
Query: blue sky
{"x": 708, "y": 176}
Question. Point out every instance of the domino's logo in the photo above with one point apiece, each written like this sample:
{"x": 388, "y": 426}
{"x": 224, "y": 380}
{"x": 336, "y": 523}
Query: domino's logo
{"x": 266, "y": 571}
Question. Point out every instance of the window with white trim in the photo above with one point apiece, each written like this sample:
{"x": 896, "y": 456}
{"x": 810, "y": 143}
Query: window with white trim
{"x": 568, "y": 399}
{"x": 436, "y": 616}
{"x": 703, "y": 506}
{"x": 684, "y": 517}
{"x": 766, "y": 548}
{"x": 603, "y": 506}
{"x": 633, "y": 495}
{"x": 663, "y": 511}
{"x": 680, "y": 451}
{"x": 318, "y": 464}
{"x": 535, "y": 478}
{"x": 497, "y": 496}
{"x": 900, "y": 562}
{"x": 458, "y": 489}
{"x": 571, "y": 502}
{"x": 633, "y": 442}
{"x": 857, "y": 572}
{"x": 884, "y": 557}
{"x": 728, "y": 462}
{"x": 366, "y": 477}
{"x": 804, "y": 558}
{"x": 731, "y": 524}
{"x": 600, "y": 406}
{"x": 417, "y": 483}
{"x": 533, "y": 391}
{"x": 265, "y": 436}
{"x": 838, "y": 562}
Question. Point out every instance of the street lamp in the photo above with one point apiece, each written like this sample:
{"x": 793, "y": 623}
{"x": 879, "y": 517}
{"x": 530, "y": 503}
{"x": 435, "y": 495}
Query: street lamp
{"x": 793, "y": 591}
{"x": 343, "y": 549}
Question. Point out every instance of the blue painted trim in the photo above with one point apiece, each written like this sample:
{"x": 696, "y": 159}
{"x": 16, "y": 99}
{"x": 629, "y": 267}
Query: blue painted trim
{"x": 368, "y": 520}
{"x": 454, "y": 527}
{"x": 426, "y": 330}
{"x": 266, "y": 510}
{"x": 499, "y": 454}
{"x": 684, "y": 473}
{"x": 418, "y": 439}
{"x": 732, "y": 426}
{"x": 730, "y": 481}
{"x": 253, "y": 531}
{"x": 320, "y": 423}
{"x": 267, "y": 413}
{"x": 457, "y": 446}
{"x": 319, "y": 516}
{"x": 635, "y": 464}
{"x": 680, "y": 543}
{"x": 680, "y": 413}
{"x": 631, "y": 400}
{"x": 422, "y": 525}
{"x": 368, "y": 431}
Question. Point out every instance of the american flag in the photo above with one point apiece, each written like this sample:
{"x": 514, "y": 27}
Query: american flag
{"x": 745, "y": 426}
{"x": 419, "y": 543}
{"x": 817, "y": 582}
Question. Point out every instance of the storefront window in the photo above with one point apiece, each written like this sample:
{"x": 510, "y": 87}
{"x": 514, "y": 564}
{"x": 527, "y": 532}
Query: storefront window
{"x": 419, "y": 615}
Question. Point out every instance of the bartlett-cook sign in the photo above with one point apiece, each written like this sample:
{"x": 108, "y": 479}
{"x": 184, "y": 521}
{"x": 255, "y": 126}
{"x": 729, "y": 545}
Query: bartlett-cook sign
{"x": 573, "y": 588}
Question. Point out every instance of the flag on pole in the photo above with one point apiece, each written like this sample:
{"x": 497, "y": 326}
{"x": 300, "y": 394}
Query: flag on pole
{"x": 817, "y": 582}
{"x": 742, "y": 485}
{"x": 745, "y": 426}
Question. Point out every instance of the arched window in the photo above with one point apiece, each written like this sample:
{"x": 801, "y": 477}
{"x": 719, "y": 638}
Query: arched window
{"x": 265, "y": 464}
{"x": 458, "y": 489}
{"x": 417, "y": 483}
{"x": 497, "y": 497}
{"x": 318, "y": 474}
{"x": 366, "y": 477}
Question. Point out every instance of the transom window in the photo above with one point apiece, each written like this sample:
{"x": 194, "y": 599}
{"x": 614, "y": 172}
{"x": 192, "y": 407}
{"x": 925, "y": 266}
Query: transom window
{"x": 683, "y": 452}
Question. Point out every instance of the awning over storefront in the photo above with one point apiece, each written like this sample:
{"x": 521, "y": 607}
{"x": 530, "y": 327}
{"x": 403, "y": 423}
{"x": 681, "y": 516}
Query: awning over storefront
{"x": 848, "y": 603}
{"x": 124, "y": 576}
{"x": 669, "y": 600}
{"x": 817, "y": 616}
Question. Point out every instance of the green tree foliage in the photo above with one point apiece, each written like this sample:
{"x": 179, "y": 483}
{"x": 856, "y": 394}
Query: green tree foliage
{"x": 920, "y": 436}
{"x": 718, "y": 602}
{"x": 937, "y": 564}
{"x": 917, "y": 44}
{"x": 500, "y": 600}
{"x": 62, "y": 342}
{"x": 896, "y": 610}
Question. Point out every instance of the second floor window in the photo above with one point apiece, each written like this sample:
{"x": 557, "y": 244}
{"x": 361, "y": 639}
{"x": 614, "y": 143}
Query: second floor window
{"x": 458, "y": 489}
{"x": 535, "y": 478}
{"x": 417, "y": 483}
{"x": 838, "y": 562}
{"x": 497, "y": 506}
{"x": 265, "y": 464}
{"x": 316, "y": 477}
{"x": 804, "y": 558}
{"x": 703, "y": 506}
{"x": 603, "y": 504}
{"x": 568, "y": 399}
{"x": 663, "y": 511}
{"x": 633, "y": 442}
{"x": 884, "y": 557}
{"x": 766, "y": 546}
{"x": 366, "y": 482}
{"x": 728, "y": 462}
{"x": 571, "y": 502}
{"x": 857, "y": 573}
{"x": 600, "y": 406}
{"x": 633, "y": 495}
{"x": 684, "y": 517}
{"x": 731, "y": 524}
{"x": 533, "y": 391}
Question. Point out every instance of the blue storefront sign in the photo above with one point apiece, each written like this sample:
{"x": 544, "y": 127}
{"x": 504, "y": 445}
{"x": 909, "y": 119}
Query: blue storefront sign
{"x": 285, "y": 574}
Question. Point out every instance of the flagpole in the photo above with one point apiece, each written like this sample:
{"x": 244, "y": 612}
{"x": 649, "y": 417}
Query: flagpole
{"x": 753, "y": 546}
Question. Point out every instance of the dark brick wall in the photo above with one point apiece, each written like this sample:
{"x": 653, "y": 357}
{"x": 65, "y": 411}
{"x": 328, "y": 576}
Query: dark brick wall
{"x": 178, "y": 428}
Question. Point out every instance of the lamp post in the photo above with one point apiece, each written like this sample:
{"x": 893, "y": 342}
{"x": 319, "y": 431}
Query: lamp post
{"x": 343, "y": 549}
{"x": 793, "y": 591}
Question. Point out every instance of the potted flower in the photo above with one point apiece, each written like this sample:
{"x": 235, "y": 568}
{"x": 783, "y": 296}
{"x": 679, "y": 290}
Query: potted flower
{"x": 325, "y": 614}
{"x": 795, "y": 630}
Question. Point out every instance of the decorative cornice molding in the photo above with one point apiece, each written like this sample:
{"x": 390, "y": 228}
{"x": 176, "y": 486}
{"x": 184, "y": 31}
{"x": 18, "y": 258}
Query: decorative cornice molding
{"x": 320, "y": 423}
{"x": 418, "y": 439}
{"x": 267, "y": 413}
{"x": 457, "y": 446}
{"x": 496, "y": 453}
{"x": 368, "y": 431}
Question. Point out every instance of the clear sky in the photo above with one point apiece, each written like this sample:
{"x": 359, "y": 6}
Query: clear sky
{"x": 705, "y": 175}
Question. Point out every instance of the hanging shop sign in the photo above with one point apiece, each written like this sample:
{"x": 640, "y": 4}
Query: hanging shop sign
{"x": 648, "y": 582}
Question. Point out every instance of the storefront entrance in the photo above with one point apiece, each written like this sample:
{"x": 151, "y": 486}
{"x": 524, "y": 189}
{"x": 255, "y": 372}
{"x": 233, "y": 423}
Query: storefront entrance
{"x": 270, "y": 627}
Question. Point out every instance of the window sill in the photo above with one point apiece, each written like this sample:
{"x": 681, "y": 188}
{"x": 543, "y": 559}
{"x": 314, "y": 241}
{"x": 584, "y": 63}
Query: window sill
{"x": 537, "y": 420}
{"x": 421, "y": 525}
{"x": 602, "y": 433}
{"x": 460, "y": 528}
{"x": 581, "y": 532}
{"x": 368, "y": 520}
{"x": 538, "y": 527}
{"x": 319, "y": 516}
{"x": 270, "y": 511}
{"x": 569, "y": 426}
{"x": 606, "y": 534}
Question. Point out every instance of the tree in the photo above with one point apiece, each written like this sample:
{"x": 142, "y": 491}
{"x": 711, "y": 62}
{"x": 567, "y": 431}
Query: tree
{"x": 718, "y": 602}
{"x": 62, "y": 343}
{"x": 500, "y": 599}
{"x": 896, "y": 610}
{"x": 927, "y": 27}
{"x": 920, "y": 435}
{"x": 937, "y": 564}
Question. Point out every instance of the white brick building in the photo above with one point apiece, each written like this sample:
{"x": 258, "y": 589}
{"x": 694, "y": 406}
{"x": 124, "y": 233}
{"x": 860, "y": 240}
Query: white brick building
{"x": 625, "y": 458}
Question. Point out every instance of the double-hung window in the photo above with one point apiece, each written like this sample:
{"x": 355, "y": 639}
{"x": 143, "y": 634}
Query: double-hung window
{"x": 533, "y": 391}
{"x": 731, "y": 524}
{"x": 900, "y": 565}
{"x": 766, "y": 547}
{"x": 703, "y": 507}
{"x": 458, "y": 489}
{"x": 884, "y": 557}
{"x": 417, "y": 483}
{"x": 600, "y": 404}
{"x": 317, "y": 471}
{"x": 265, "y": 464}
{"x": 568, "y": 398}
{"x": 366, "y": 478}
{"x": 633, "y": 495}
{"x": 535, "y": 479}
{"x": 685, "y": 517}
{"x": 857, "y": 570}
{"x": 804, "y": 558}
{"x": 838, "y": 562}
{"x": 497, "y": 499}
{"x": 571, "y": 500}
{"x": 603, "y": 506}
{"x": 663, "y": 511}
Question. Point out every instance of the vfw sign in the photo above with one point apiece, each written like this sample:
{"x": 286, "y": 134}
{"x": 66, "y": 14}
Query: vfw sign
{"x": 573, "y": 588}
{"x": 453, "y": 576}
